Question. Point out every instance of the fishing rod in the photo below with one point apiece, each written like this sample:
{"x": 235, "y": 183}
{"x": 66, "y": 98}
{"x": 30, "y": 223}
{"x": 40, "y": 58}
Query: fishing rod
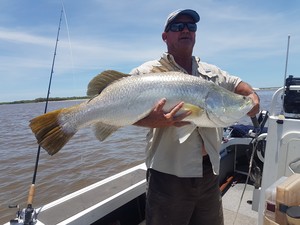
{"x": 28, "y": 216}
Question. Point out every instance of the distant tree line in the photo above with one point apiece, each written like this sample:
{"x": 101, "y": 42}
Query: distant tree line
{"x": 44, "y": 99}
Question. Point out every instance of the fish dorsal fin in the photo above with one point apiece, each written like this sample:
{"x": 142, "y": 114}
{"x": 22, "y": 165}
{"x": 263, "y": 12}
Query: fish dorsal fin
{"x": 102, "y": 80}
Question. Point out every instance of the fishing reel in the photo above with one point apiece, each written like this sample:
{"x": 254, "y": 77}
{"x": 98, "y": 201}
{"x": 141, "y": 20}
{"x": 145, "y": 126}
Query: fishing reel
{"x": 26, "y": 216}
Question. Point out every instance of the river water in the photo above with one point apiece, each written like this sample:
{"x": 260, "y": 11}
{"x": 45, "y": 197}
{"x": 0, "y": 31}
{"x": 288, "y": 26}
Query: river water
{"x": 83, "y": 161}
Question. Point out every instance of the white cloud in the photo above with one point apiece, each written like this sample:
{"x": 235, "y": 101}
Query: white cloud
{"x": 9, "y": 35}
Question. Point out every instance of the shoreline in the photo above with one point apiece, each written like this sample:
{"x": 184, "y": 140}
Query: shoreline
{"x": 53, "y": 99}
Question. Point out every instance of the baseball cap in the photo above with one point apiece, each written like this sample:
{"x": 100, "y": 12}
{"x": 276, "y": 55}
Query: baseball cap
{"x": 178, "y": 12}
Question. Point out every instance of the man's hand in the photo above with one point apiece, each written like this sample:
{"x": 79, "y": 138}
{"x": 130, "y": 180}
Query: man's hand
{"x": 158, "y": 118}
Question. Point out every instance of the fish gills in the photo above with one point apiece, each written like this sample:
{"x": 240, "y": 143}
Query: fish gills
{"x": 47, "y": 129}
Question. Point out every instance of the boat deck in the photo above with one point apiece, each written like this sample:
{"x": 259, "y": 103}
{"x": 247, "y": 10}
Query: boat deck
{"x": 89, "y": 204}
{"x": 245, "y": 215}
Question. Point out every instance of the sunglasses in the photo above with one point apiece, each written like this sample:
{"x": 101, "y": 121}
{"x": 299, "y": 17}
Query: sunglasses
{"x": 176, "y": 27}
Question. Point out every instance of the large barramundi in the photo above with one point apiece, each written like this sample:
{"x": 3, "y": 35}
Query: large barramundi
{"x": 123, "y": 100}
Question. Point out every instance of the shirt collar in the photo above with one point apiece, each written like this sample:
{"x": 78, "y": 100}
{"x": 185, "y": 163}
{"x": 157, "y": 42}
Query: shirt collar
{"x": 199, "y": 68}
{"x": 203, "y": 70}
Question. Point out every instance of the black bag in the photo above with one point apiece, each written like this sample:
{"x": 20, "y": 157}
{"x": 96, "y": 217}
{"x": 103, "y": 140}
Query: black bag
{"x": 291, "y": 102}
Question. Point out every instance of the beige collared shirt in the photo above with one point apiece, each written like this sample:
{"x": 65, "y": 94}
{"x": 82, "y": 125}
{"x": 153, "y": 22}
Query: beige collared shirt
{"x": 164, "y": 152}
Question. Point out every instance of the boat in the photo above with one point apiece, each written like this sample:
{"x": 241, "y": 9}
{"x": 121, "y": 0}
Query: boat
{"x": 253, "y": 158}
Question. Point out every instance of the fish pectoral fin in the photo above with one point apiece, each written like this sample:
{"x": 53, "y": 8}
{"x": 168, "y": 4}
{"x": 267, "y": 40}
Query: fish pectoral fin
{"x": 196, "y": 110}
{"x": 102, "y": 130}
{"x": 185, "y": 131}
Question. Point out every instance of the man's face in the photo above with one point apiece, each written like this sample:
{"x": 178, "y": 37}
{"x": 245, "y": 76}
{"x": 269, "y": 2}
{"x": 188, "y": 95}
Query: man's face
{"x": 181, "y": 40}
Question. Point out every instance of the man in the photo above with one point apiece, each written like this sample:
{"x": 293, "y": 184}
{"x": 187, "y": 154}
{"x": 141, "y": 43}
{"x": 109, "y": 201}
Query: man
{"x": 183, "y": 187}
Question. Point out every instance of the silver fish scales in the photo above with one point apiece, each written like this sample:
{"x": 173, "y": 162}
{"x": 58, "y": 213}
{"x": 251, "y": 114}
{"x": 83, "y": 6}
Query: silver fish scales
{"x": 122, "y": 100}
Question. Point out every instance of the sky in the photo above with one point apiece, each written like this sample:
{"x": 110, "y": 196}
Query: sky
{"x": 245, "y": 38}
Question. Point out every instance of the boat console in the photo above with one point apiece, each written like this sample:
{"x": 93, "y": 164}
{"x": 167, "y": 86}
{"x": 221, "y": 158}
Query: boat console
{"x": 282, "y": 154}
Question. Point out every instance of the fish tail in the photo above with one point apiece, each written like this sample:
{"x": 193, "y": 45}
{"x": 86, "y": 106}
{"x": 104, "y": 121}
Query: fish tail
{"x": 49, "y": 131}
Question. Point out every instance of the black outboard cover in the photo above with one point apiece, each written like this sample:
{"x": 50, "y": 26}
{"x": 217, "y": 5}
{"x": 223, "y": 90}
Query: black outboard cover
{"x": 291, "y": 101}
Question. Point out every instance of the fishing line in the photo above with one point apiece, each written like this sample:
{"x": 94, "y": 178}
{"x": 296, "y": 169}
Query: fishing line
{"x": 83, "y": 160}
{"x": 254, "y": 143}
{"x": 254, "y": 146}
{"x": 69, "y": 39}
